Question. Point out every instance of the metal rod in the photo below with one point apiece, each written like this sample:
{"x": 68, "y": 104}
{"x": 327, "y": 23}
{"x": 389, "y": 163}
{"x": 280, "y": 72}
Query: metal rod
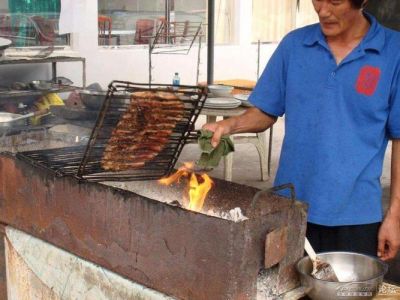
{"x": 167, "y": 19}
{"x": 54, "y": 71}
{"x": 258, "y": 58}
{"x": 83, "y": 72}
{"x": 150, "y": 66}
{"x": 210, "y": 42}
{"x": 198, "y": 61}
{"x": 271, "y": 133}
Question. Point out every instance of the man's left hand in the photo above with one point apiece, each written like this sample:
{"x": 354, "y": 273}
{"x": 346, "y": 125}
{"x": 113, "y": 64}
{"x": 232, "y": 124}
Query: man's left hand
{"x": 389, "y": 238}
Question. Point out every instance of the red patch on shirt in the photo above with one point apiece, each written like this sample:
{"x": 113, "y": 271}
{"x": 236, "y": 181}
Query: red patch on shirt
{"x": 367, "y": 80}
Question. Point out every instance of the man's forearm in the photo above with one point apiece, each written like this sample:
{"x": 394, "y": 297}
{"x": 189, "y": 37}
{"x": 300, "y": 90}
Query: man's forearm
{"x": 253, "y": 120}
{"x": 389, "y": 233}
{"x": 394, "y": 208}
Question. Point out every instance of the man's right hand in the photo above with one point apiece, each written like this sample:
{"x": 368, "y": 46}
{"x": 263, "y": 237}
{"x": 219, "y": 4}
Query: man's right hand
{"x": 252, "y": 120}
{"x": 219, "y": 129}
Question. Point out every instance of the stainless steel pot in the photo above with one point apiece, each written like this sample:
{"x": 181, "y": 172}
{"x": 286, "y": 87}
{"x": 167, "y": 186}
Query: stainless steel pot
{"x": 94, "y": 99}
{"x": 8, "y": 120}
{"x": 360, "y": 276}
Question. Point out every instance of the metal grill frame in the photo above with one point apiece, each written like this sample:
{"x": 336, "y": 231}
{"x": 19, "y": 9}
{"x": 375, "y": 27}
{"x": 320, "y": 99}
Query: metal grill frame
{"x": 83, "y": 162}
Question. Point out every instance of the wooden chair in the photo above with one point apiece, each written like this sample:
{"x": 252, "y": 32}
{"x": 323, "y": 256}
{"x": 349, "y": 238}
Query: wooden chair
{"x": 144, "y": 31}
{"x": 105, "y": 28}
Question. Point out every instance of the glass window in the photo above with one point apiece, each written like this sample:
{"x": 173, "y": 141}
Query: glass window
{"x": 306, "y": 14}
{"x": 125, "y": 16}
{"x": 130, "y": 22}
{"x": 189, "y": 10}
{"x": 31, "y": 22}
{"x": 272, "y": 19}
{"x": 225, "y": 21}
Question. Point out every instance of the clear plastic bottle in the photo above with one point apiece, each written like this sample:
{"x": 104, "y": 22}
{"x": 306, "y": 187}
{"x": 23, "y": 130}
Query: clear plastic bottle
{"x": 176, "y": 81}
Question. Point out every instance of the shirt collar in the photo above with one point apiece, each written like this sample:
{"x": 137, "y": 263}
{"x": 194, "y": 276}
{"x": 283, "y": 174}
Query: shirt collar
{"x": 374, "y": 39}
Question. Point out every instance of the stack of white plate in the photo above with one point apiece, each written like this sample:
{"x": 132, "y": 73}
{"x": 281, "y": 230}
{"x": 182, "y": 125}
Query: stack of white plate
{"x": 4, "y": 43}
{"x": 244, "y": 98}
{"x": 222, "y": 103}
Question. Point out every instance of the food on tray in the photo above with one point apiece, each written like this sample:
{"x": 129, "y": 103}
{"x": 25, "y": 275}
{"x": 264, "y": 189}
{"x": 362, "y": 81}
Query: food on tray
{"x": 143, "y": 130}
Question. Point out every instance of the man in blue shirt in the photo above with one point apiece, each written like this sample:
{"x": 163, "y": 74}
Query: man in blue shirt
{"x": 338, "y": 85}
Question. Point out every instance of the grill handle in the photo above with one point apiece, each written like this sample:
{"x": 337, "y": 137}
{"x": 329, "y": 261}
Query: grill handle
{"x": 276, "y": 241}
{"x": 274, "y": 189}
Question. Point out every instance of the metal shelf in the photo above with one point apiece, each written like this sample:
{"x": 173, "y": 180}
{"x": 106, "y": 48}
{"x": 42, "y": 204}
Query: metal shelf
{"x": 12, "y": 60}
{"x": 20, "y": 59}
{"x": 22, "y": 93}
{"x": 7, "y": 95}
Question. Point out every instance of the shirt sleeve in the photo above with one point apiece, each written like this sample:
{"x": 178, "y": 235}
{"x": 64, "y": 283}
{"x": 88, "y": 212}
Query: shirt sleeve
{"x": 269, "y": 92}
{"x": 393, "y": 125}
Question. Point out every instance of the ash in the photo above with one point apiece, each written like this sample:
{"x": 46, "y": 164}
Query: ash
{"x": 267, "y": 283}
{"x": 234, "y": 214}
{"x": 172, "y": 196}
{"x": 149, "y": 189}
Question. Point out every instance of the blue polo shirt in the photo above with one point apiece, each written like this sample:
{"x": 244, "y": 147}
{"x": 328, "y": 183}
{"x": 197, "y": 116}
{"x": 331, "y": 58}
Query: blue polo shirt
{"x": 338, "y": 119}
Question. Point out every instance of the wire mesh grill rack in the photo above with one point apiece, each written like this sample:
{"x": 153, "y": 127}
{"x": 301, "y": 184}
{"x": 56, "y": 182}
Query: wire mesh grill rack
{"x": 62, "y": 161}
{"x": 85, "y": 162}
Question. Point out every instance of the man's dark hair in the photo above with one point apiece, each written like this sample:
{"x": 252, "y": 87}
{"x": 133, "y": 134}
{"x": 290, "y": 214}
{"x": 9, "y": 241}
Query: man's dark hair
{"x": 357, "y": 3}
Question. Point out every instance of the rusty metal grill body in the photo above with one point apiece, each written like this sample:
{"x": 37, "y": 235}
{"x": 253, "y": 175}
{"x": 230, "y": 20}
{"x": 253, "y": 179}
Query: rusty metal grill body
{"x": 85, "y": 162}
{"x": 160, "y": 245}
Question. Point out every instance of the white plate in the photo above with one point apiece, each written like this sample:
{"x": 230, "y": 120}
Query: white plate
{"x": 4, "y": 43}
{"x": 221, "y": 107}
{"x": 222, "y": 101}
{"x": 242, "y": 97}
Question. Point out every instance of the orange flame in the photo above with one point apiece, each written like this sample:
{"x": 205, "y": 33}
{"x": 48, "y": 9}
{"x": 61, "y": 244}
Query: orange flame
{"x": 197, "y": 191}
{"x": 182, "y": 172}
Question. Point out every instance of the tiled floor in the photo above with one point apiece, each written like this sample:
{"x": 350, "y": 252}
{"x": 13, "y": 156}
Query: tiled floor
{"x": 246, "y": 171}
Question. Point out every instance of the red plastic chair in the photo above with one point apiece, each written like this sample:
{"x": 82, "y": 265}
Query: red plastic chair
{"x": 144, "y": 31}
{"x": 105, "y": 28}
{"x": 6, "y": 29}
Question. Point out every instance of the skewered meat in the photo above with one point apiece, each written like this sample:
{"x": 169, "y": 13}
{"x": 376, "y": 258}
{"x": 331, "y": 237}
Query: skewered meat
{"x": 143, "y": 131}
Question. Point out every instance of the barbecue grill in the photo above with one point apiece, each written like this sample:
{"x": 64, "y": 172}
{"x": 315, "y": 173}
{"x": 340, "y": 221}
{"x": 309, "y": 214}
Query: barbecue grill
{"x": 243, "y": 245}
{"x": 151, "y": 240}
{"x": 84, "y": 162}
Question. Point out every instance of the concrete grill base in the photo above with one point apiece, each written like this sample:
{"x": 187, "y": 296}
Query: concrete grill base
{"x": 180, "y": 253}
{"x": 37, "y": 270}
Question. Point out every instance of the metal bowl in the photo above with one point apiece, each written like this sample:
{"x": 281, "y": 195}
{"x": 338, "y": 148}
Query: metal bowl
{"x": 7, "y": 120}
{"x": 41, "y": 85}
{"x": 220, "y": 90}
{"x": 94, "y": 99}
{"x": 360, "y": 276}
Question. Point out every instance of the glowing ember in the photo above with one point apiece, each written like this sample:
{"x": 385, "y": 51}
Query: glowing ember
{"x": 197, "y": 190}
